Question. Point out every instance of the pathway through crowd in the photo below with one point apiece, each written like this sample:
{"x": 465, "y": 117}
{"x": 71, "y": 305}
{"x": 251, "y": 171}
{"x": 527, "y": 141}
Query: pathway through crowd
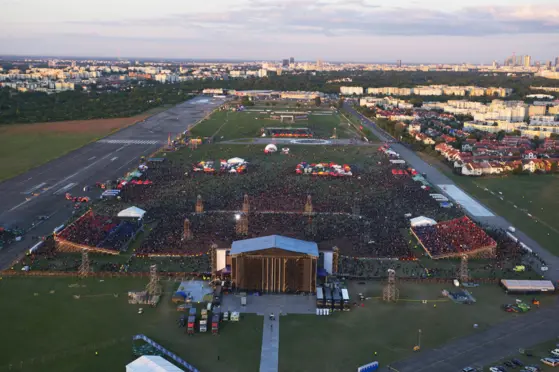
{"x": 269, "y": 355}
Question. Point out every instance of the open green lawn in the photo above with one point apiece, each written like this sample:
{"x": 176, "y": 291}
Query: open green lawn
{"x": 228, "y": 125}
{"x": 55, "y": 332}
{"x": 346, "y": 340}
{"x": 22, "y": 151}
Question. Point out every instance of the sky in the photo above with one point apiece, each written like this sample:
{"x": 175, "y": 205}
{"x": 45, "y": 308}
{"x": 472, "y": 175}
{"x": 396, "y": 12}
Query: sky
{"x": 423, "y": 31}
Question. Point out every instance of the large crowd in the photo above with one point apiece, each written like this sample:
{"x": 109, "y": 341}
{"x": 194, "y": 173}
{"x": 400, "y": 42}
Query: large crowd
{"x": 100, "y": 231}
{"x": 363, "y": 215}
{"x": 458, "y": 236}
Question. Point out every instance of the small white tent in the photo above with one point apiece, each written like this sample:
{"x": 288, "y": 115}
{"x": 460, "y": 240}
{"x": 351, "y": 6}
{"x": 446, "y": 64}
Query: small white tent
{"x": 422, "y": 221}
{"x": 152, "y": 363}
{"x": 235, "y": 161}
{"x": 132, "y": 212}
{"x": 270, "y": 148}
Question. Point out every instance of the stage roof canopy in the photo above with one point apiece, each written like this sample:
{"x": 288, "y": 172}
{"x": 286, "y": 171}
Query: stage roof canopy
{"x": 274, "y": 241}
{"x": 132, "y": 212}
{"x": 152, "y": 363}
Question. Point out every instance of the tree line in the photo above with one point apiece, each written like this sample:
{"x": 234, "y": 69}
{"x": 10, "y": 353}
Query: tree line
{"x": 31, "y": 107}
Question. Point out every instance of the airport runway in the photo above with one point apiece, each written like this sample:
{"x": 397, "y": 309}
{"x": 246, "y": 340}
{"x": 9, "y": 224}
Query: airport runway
{"x": 40, "y": 191}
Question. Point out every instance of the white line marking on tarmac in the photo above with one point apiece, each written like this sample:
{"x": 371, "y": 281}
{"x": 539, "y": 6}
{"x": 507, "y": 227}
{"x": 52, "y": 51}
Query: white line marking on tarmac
{"x": 91, "y": 158}
{"x": 34, "y": 188}
{"x": 20, "y": 204}
{"x": 65, "y": 188}
{"x": 113, "y": 159}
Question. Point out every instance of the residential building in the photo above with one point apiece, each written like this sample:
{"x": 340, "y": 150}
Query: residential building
{"x": 348, "y": 91}
{"x": 534, "y": 110}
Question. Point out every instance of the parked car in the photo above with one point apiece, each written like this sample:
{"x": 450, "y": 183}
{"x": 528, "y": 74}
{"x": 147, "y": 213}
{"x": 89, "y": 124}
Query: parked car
{"x": 517, "y": 362}
{"x": 509, "y": 364}
{"x": 555, "y": 352}
{"x": 469, "y": 369}
{"x": 495, "y": 369}
{"x": 553, "y": 362}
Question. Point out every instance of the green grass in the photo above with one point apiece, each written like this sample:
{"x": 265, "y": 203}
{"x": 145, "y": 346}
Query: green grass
{"x": 227, "y": 125}
{"x": 346, "y": 340}
{"x": 21, "y": 152}
{"x": 55, "y": 332}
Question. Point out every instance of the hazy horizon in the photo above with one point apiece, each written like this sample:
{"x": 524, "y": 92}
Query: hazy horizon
{"x": 366, "y": 31}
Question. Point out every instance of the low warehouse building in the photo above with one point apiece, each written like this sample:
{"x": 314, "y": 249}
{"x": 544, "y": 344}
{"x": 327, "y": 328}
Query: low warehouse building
{"x": 528, "y": 286}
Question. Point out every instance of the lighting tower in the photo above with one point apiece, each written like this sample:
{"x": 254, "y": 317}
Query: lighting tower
{"x": 308, "y": 206}
{"x": 187, "y": 233}
{"x": 390, "y": 293}
{"x": 246, "y": 205}
{"x": 335, "y": 260}
{"x": 84, "y": 269}
{"x": 241, "y": 227}
{"x": 154, "y": 287}
{"x": 463, "y": 272}
{"x": 199, "y": 205}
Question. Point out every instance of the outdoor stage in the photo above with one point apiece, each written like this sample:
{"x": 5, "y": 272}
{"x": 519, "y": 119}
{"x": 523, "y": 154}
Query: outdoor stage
{"x": 273, "y": 264}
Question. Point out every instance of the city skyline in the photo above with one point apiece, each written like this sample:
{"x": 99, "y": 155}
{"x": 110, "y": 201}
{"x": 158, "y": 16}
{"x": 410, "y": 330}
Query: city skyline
{"x": 332, "y": 30}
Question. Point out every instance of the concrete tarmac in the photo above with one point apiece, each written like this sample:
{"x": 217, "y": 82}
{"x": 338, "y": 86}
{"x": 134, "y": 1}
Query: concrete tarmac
{"x": 40, "y": 191}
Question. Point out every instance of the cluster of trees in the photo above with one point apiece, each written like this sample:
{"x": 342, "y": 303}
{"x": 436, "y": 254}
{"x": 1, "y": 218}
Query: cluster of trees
{"x": 32, "y": 107}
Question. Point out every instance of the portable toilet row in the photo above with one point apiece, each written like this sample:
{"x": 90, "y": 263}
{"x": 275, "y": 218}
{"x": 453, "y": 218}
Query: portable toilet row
{"x": 323, "y": 311}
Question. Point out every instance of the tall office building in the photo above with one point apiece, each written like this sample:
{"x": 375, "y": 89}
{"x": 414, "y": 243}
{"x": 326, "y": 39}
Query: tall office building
{"x": 519, "y": 61}
{"x": 399, "y": 63}
{"x": 548, "y": 65}
{"x": 291, "y": 60}
{"x": 319, "y": 64}
{"x": 527, "y": 61}
{"x": 556, "y": 61}
{"x": 285, "y": 63}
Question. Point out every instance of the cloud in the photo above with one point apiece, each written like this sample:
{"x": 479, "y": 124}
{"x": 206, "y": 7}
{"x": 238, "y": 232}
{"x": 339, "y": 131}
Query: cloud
{"x": 337, "y": 18}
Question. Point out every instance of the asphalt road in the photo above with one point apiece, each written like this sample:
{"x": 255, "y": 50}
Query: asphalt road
{"x": 487, "y": 346}
{"x": 40, "y": 191}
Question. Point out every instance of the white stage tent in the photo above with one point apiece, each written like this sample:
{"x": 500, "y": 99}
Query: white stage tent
{"x": 422, "y": 221}
{"x": 132, "y": 212}
{"x": 152, "y": 363}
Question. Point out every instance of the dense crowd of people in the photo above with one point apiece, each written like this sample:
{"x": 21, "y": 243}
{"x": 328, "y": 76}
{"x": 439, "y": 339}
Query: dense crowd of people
{"x": 456, "y": 236}
{"x": 100, "y": 231}
{"x": 363, "y": 215}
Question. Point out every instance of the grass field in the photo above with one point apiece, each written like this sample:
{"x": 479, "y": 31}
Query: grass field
{"x": 344, "y": 341}
{"x": 25, "y": 146}
{"x": 55, "y": 332}
{"x": 49, "y": 330}
{"x": 228, "y": 125}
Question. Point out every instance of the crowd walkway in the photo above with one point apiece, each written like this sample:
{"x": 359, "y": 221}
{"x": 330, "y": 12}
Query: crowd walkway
{"x": 269, "y": 357}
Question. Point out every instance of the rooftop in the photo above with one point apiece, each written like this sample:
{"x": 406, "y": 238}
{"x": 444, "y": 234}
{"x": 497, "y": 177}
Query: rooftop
{"x": 274, "y": 241}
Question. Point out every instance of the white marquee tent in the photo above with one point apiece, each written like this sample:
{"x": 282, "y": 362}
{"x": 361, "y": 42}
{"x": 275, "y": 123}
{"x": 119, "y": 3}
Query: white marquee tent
{"x": 132, "y": 212}
{"x": 152, "y": 363}
{"x": 235, "y": 161}
{"x": 422, "y": 221}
